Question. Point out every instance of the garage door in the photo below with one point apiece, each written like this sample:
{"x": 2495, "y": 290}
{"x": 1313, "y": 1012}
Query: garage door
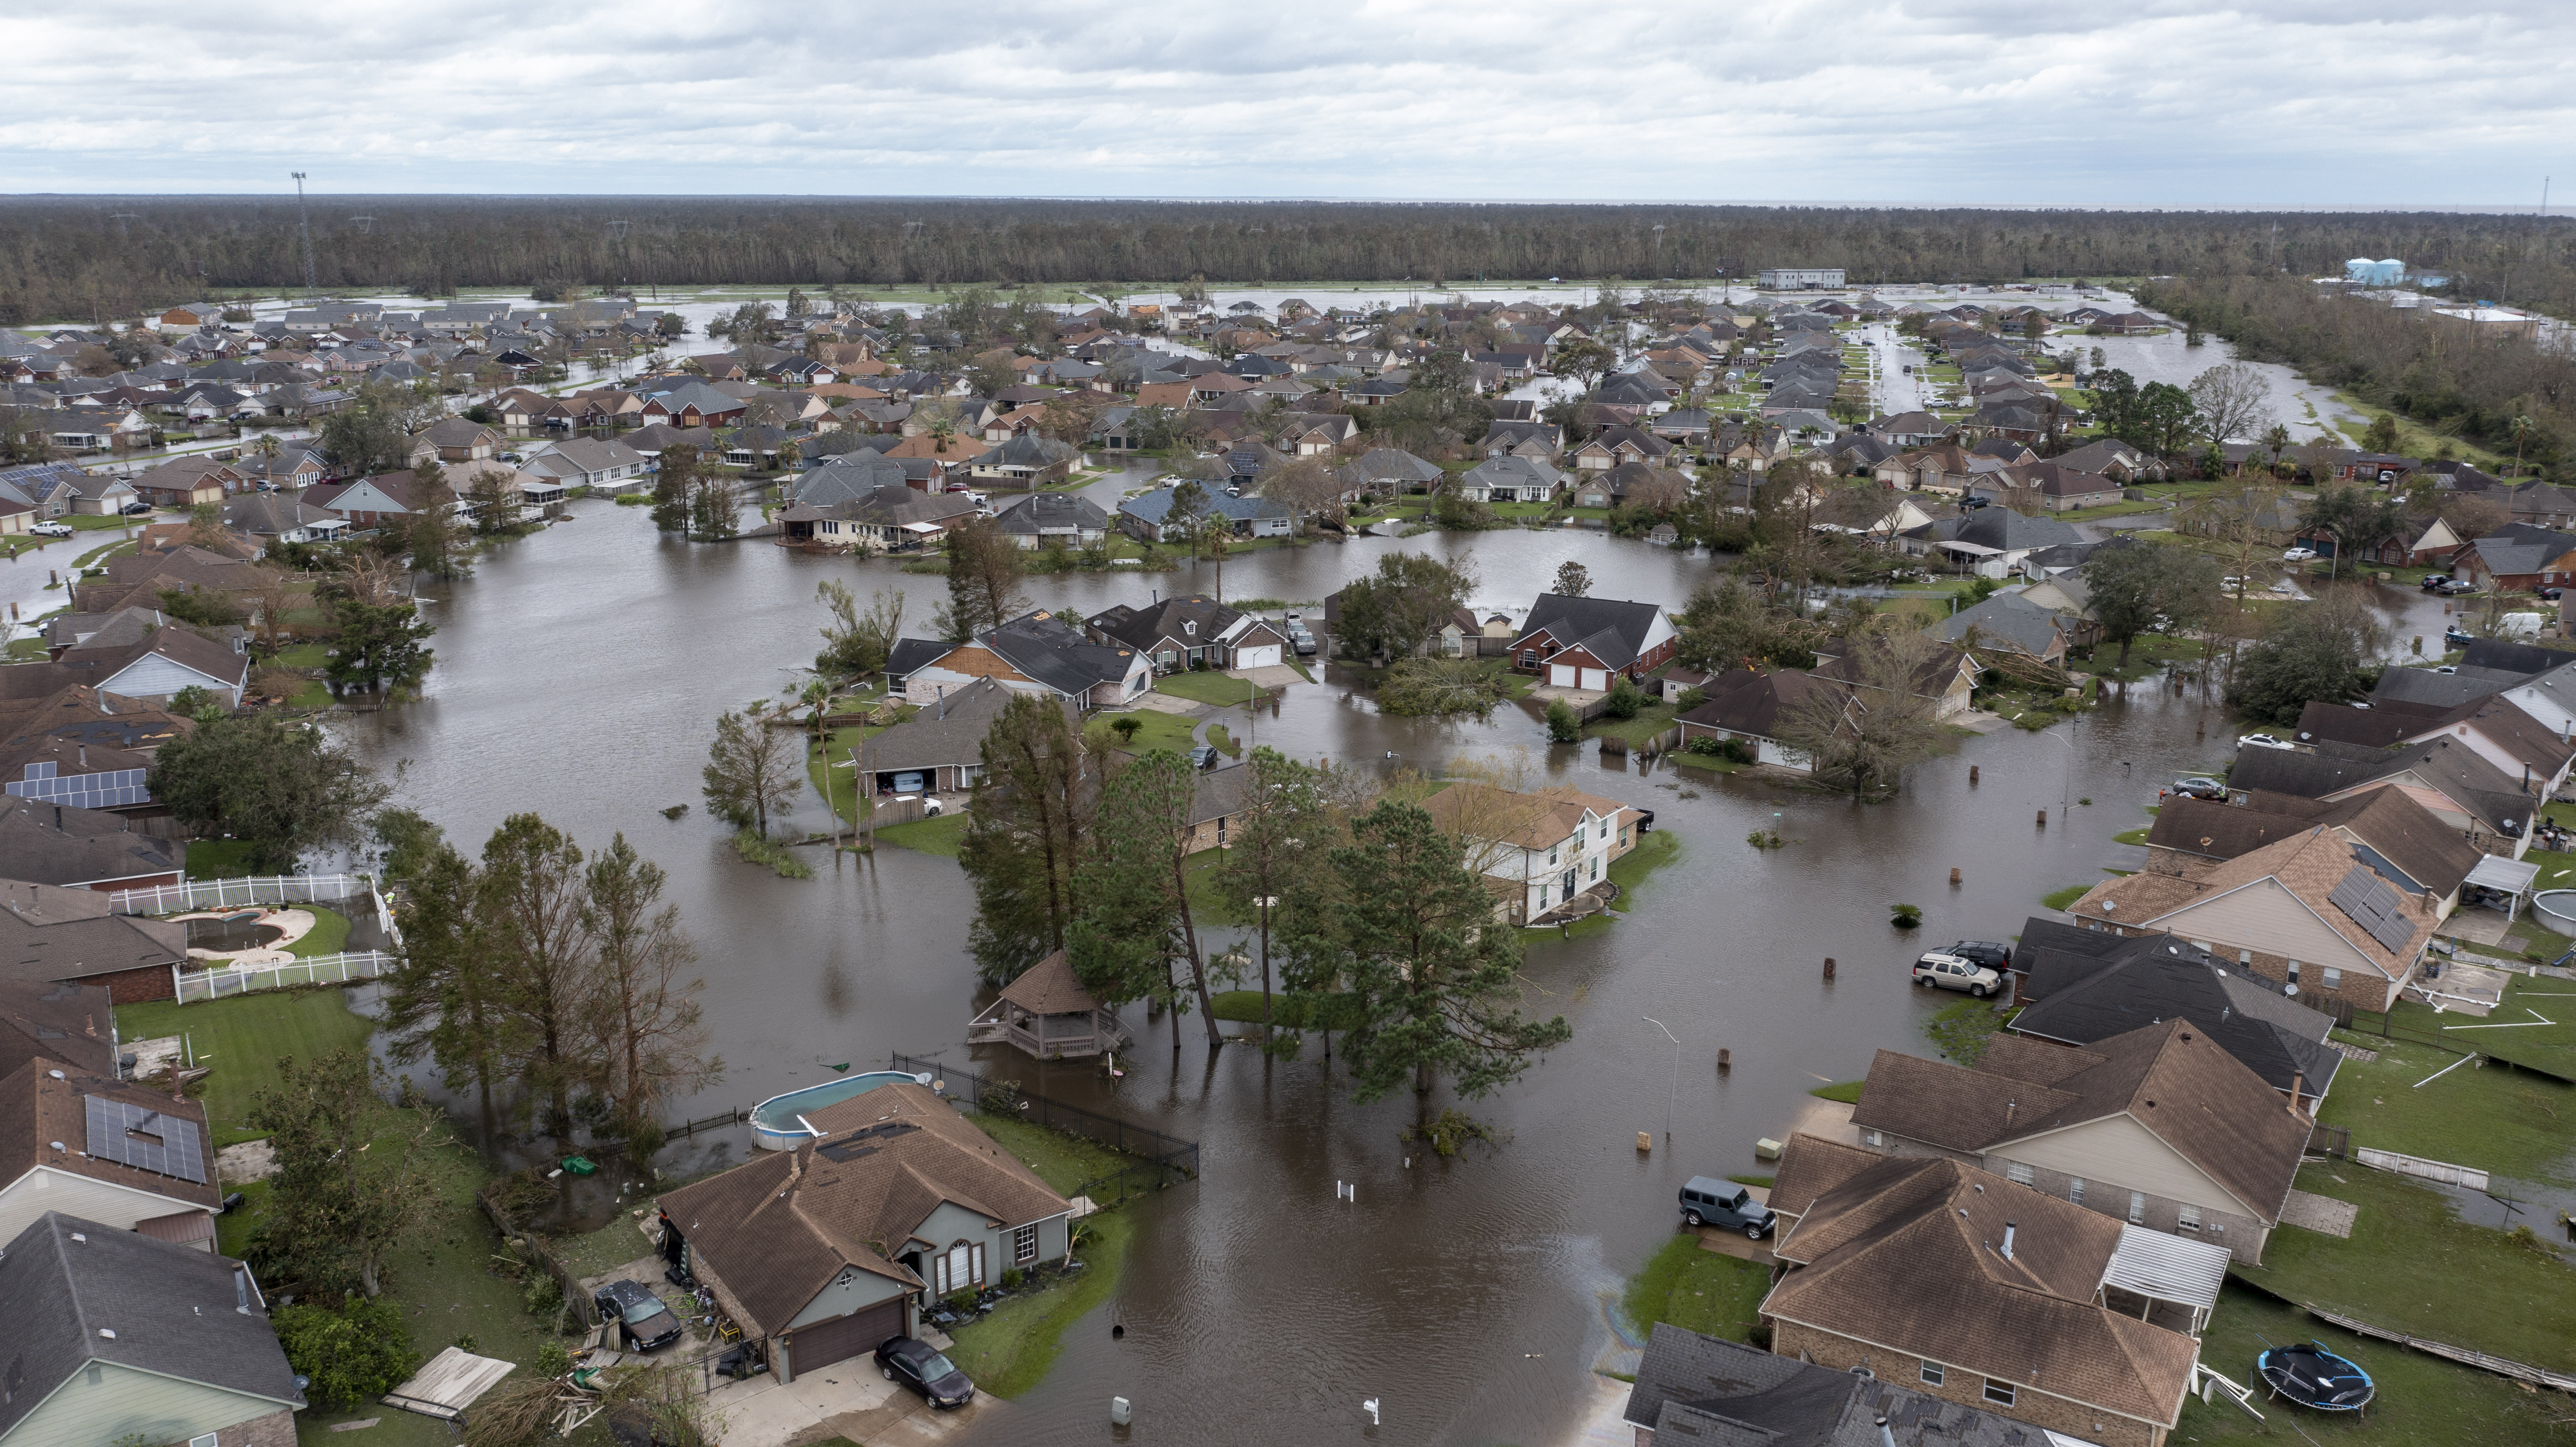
{"x": 1596, "y": 680}
{"x": 844, "y": 1337}
{"x": 1561, "y": 675}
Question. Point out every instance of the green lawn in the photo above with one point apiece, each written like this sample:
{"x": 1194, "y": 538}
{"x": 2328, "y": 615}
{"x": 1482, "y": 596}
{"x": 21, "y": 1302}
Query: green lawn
{"x": 218, "y": 859}
{"x": 2061, "y": 898}
{"x": 1846, "y": 1091}
{"x": 240, "y": 1039}
{"x": 2413, "y": 1266}
{"x": 1062, "y": 1161}
{"x": 1157, "y": 730}
{"x": 1216, "y": 688}
{"x": 1244, "y": 1007}
{"x": 1652, "y": 722}
{"x": 2491, "y": 1117}
{"x": 329, "y": 935}
{"x": 303, "y": 655}
{"x": 942, "y": 836}
{"x": 1011, "y": 1348}
{"x": 2534, "y": 1024}
{"x": 2423, "y": 1401}
{"x": 1690, "y": 1286}
{"x": 1655, "y": 849}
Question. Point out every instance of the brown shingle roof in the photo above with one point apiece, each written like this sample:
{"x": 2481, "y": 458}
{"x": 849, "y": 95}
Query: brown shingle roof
{"x": 1049, "y": 988}
{"x": 2308, "y": 865}
{"x": 1906, "y": 1253}
{"x": 2170, "y": 1078}
{"x": 37, "y": 1110}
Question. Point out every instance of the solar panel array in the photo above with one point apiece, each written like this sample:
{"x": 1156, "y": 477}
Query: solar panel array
{"x": 105, "y": 790}
{"x": 2374, "y": 905}
{"x": 145, "y": 1139}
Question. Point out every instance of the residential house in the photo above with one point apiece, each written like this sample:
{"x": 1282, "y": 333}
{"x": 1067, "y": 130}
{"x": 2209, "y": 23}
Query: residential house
{"x": 1752, "y": 707}
{"x": 2009, "y": 623}
{"x": 1146, "y": 515}
{"x": 2518, "y": 558}
{"x": 1955, "y": 1282}
{"x": 1993, "y": 542}
{"x": 1942, "y": 468}
{"x": 1703, "y": 1389}
{"x": 1511, "y": 477}
{"x": 1615, "y": 445}
{"x": 1537, "y": 852}
{"x": 1463, "y": 625}
{"x": 128, "y": 1156}
{"x": 1026, "y": 460}
{"x": 1910, "y": 429}
{"x": 2080, "y": 987}
{"x": 1189, "y": 632}
{"x": 589, "y": 462}
{"x": 2500, "y": 731}
{"x": 1658, "y": 489}
{"x": 71, "y": 1026}
{"x": 1946, "y": 677}
{"x": 822, "y": 1252}
{"x": 118, "y": 1337}
{"x": 939, "y": 750}
{"x": 2452, "y": 781}
{"x": 1038, "y": 653}
{"x": 387, "y": 499}
{"x": 2313, "y": 910}
{"x": 185, "y": 482}
{"x": 1047, "y": 1013}
{"x": 2112, "y": 458}
{"x": 1390, "y": 472}
{"x": 2416, "y": 851}
{"x": 2046, "y": 486}
{"x": 278, "y": 518}
{"x": 71, "y": 935}
{"x": 160, "y": 666}
{"x": 2157, "y": 1125}
{"x": 837, "y": 508}
{"x": 456, "y": 440}
{"x": 1579, "y": 642}
{"x": 1053, "y": 519}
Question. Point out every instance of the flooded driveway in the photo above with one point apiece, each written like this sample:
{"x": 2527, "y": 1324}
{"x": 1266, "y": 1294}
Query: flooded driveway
{"x": 581, "y": 670}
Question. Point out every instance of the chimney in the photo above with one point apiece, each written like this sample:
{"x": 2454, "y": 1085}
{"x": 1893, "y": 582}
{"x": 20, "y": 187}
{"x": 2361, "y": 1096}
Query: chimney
{"x": 2009, "y": 1228}
{"x": 2297, "y": 1080}
{"x": 241, "y": 1289}
{"x": 1885, "y": 1437}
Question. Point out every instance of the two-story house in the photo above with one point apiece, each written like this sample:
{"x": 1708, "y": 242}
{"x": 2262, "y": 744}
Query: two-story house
{"x": 1536, "y": 851}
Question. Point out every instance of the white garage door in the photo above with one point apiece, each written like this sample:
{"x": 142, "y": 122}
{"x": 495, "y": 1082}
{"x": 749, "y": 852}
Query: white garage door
{"x": 1597, "y": 680}
{"x": 1262, "y": 656}
{"x": 1561, "y": 675}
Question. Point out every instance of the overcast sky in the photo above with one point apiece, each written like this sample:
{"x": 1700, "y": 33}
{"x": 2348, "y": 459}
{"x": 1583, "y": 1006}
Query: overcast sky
{"x": 2139, "y": 103}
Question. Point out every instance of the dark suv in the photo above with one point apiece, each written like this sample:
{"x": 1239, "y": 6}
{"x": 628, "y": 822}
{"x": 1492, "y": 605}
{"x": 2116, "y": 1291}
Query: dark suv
{"x": 639, "y": 1314}
{"x": 1984, "y": 952}
{"x": 1724, "y": 1204}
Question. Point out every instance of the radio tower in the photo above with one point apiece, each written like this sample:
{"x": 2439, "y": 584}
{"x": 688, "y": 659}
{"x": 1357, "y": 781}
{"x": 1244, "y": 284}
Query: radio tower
{"x": 304, "y": 224}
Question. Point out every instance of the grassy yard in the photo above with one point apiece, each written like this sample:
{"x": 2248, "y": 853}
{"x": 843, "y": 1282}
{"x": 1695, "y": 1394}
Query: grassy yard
{"x": 1062, "y": 1161}
{"x": 329, "y": 935}
{"x": 1692, "y": 1287}
{"x": 1155, "y": 730}
{"x": 2537, "y": 1029}
{"x": 1011, "y": 1348}
{"x": 1656, "y": 849}
{"x": 2061, "y": 898}
{"x": 1244, "y": 1008}
{"x": 2488, "y": 1116}
{"x": 2422, "y": 1401}
{"x": 1846, "y": 1091}
{"x": 1215, "y": 688}
{"x": 239, "y": 1040}
{"x": 942, "y": 836}
{"x": 1652, "y": 722}
{"x": 2413, "y": 1266}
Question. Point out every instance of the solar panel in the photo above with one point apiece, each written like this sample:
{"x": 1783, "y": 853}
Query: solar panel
{"x": 108, "y": 789}
{"x": 2371, "y": 903}
{"x": 145, "y": 1139}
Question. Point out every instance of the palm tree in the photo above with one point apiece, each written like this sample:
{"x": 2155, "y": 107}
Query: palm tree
{"x": 2520, "y": 429}
{"x": 2278, "y": 440}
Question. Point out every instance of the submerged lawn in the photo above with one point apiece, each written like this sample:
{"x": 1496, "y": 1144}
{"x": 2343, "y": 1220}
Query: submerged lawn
{"x": 1690, "y": 1286}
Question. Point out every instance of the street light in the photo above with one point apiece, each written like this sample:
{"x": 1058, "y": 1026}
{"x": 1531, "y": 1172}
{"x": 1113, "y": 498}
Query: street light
{"x": 1674, "y": 1088}
{"x": 2066, "y": 788}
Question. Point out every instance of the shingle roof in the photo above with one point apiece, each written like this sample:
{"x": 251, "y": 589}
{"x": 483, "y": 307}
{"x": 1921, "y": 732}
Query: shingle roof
{"x": 1746, "y": 702}
{"x": 2449, "y": 765}
{"x": 2080, "y": 999}
{"x": 1614, "y": 630}
{"x": 1049, "y": 988}
{"x": 2312, "y": 866}
{"x": 170, "y": 1307}
{"x": 2007, "y": 618}
{"x": 1055, "y": 653}
{"x": 947, "y": 731}
{"x": 1728, "y": 1395}
{"x": 1906, "y": 1252}
{"x": 70, "y": 1023}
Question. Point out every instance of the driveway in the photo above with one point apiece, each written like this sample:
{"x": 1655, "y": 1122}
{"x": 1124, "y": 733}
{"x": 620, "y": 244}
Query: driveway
{"x": 849, "y": 1399}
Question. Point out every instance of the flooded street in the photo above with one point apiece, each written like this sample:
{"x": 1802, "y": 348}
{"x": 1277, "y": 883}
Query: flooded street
{"x": 579, "y": 675}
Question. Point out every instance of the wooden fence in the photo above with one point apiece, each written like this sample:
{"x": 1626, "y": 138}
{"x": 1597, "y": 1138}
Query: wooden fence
{"x": 2465, "y": 1356}
{"x": 532, "y": 1249}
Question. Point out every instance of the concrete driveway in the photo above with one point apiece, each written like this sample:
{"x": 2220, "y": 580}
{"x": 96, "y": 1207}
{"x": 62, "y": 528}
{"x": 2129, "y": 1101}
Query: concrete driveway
{"x": 849, "y": 1399}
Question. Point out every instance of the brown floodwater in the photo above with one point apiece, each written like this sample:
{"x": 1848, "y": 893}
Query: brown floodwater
{"x": 580, "y": 672}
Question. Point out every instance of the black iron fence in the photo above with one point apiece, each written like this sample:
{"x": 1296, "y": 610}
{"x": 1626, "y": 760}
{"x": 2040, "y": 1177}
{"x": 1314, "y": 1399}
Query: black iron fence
{"x": 1161, "y": 1160}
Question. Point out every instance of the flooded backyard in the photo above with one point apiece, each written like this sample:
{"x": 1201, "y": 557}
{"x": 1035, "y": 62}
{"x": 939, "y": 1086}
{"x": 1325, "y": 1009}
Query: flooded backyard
{"x": 579, "y": 676}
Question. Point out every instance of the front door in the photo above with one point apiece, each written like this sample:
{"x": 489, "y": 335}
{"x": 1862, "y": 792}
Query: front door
{"x": 1567, "y": 884}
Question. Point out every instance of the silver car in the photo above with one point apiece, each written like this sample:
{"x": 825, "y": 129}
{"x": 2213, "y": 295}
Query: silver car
{"x": 1953, "y": 972}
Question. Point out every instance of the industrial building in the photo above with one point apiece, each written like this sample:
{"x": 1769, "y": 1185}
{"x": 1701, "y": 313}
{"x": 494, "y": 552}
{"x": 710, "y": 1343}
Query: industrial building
{"x": 1801, "y": 278}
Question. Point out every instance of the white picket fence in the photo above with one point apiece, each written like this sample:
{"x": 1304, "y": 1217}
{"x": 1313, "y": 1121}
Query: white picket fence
{"x": 2442, "y": 1171}
{"x": 230, "y": 893}
{"x": 192, "y": 986}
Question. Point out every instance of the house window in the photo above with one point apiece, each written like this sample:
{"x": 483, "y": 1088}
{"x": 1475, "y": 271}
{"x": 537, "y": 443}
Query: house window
{"x": 2331, "y": 979}
{"x": 1596, "y": 868}
{"x": 1999, "y": 1393}
{"x": 1932, "y": 1373}
{"x": 2190, "y": 1219}
{"x": 2075, "y": 1190}
{"x": 1551, "y": 855}
{"x": 1605, "y": 828}
{"x": 2137, "y": 1208}
{"x": 1024, "y": 1245}
{"x": 2017, "y": 1173}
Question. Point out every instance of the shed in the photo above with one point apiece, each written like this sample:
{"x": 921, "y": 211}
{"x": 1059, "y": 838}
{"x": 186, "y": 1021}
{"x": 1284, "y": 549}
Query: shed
{"x": 1048, "y": 1013}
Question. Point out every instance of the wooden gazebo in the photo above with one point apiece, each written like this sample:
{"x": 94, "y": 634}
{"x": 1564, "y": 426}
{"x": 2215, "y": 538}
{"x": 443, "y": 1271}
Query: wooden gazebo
{"x": 1048, "y": 1013}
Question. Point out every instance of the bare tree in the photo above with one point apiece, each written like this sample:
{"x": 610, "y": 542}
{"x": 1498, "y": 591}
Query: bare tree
{"x": 652, "y": 1037}
{"x": 2234, "y": 398}
{"x": 1862, "y": 726}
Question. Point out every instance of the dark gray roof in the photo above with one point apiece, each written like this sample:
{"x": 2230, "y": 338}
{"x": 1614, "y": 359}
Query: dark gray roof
{"x": 2440, "y": 690}
{"x": 2008, "y": 617}
{"x": 56, "y": 1021}
{"x": 1055, "y": 653}
{"x": 1192, "y": 621}
{"x": 911, "y": 653}
{"x": 2080, "y": 998}
{"x": 947, "y": 731}
{"x": 1721, "y": 1394}
{"x": 2505, "y": 656}
{"x": 1612, "y": 629}
{"x": 171, "y": 1310}
{"x": 54, "y": 844}
{"x": 1052, "y": 511}
{"x": 52, "y": 933}
{"x": 2467, "y": 779}
{"x": 2522, "y": 548}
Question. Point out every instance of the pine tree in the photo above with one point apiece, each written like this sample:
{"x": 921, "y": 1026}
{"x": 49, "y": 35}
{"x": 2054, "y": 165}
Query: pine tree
{"x": 675, "y": 484}
{"x": 1135, "y": 936}
{"x": 1026, "y": 831}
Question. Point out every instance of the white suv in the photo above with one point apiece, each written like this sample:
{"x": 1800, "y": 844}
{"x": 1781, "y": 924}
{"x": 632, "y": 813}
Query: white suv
{"x": 1952, "y": 972}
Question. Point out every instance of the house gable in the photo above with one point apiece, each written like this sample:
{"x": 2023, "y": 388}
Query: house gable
{"x": 125, "y": 1402}
{"x": 2118, "y": 1150}
{"x": 2266, "y": 917}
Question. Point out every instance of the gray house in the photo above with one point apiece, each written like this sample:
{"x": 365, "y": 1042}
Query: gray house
{"x": 822, "y": 1252}
{"x": 1059, "y": 517}
{"x": 114, "y": 1336}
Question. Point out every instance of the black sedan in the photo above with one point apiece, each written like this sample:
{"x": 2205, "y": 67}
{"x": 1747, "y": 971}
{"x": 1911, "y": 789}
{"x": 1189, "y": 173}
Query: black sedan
{"x": 919, "y": 1365}
{"x": 646, "y": 1322}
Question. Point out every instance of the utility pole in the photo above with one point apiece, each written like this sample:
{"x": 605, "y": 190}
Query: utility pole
{"x": 304, "y": 225}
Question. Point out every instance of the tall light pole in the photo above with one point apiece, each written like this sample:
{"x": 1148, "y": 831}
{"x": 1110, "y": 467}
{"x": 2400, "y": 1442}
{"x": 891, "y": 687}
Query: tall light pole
{"x": 304, "y": 224}
{"x": 1674, "y": 1087}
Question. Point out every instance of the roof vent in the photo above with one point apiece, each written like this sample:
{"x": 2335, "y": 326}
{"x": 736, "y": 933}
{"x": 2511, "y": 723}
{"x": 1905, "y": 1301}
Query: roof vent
{"x": 56, "y": 1074}
{"x": 108, "y": 1332}
{"x": 77, "y": 1236}
{"x": 57, "y": 1145}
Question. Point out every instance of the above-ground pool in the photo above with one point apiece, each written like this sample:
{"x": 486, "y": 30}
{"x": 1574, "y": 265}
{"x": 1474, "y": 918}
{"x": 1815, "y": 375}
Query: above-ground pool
{"x": 774, "y": 1123}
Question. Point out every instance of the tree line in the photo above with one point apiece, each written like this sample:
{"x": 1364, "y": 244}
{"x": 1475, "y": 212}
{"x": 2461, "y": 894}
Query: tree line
{"x": 71, "y": 258}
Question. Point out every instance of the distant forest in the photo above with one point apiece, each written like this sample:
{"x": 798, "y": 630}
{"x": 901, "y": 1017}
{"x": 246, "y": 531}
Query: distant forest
{"x": 67, "y": 258}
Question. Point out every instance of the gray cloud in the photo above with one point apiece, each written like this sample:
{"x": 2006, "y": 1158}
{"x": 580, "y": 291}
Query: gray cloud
{"x": 2148, "y": 103}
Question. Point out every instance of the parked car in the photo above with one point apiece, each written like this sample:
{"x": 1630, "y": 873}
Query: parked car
{"x": 51, "y": 529}
{"x": 1985, "y": 952}
{"x": 2454, "y": 587}
{"x": 2552, "y": 594}
{"x": 639, "y": 1314}
{"x": 2200, "y": 786}
{"x": 2433, "y": 581}
{"x": 1304, "y": 642}
{"x": 2458, "y": 637}
{"x": 137, "y": 509}
{"x": 918, "y": 1365}
{"x": 1950, "y": 972}
{"x": 1724, "y": 1204}
{"x": 1203, "y": 756}
{"x": 2263, "y": 741}
{"x": 2298, "y": 555}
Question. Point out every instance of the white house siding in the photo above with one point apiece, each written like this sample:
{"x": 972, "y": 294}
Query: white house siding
{"x": 153, "y": 676}
{"x": 109, "y": 1204}
{"x": 2117, "y": 1149}
{"x": 2268, "y": 919}
{"x": 126, "y": 1403}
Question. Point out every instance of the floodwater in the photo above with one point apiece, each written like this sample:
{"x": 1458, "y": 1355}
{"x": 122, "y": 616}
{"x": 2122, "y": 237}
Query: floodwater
{"x": 580, "y": 672}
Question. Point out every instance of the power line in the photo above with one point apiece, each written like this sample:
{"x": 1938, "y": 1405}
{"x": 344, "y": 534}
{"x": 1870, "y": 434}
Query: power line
{"x": 304, "y": 224}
